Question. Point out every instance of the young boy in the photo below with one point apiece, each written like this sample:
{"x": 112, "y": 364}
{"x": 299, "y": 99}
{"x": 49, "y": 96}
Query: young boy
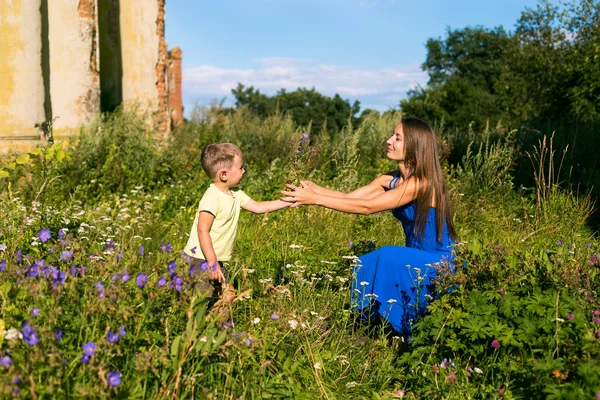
{"x": 215, "y": 225}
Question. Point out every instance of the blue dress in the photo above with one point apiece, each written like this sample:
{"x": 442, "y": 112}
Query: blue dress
{"x": 392, "y": 282}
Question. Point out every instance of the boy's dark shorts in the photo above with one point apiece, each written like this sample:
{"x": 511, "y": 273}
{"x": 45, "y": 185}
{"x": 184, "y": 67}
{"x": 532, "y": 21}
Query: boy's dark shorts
{"x": 204, "y": 283}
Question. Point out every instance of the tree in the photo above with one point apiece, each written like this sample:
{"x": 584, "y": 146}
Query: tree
{"x": 464, "y": 73}
{"x": 306, "y": 106}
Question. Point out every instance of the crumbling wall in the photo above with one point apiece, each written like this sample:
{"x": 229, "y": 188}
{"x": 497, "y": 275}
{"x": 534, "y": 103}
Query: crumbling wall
{"x": 175, "y": 97}
{"x": 74, "y": 58}
{"x": 74, "y": 75}
{"x": 139, "y": 47}
{"x": 161, "y": 116}
{"x": 21, "y": 81}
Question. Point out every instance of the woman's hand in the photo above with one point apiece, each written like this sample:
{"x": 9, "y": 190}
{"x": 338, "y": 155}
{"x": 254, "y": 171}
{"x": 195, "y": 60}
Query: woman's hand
{"x": 300, "y": 195}
{"x": 310, "y": 184}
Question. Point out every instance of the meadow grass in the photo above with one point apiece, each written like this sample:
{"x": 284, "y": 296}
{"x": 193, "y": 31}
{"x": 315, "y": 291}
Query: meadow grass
{"x": 518, "y": 319}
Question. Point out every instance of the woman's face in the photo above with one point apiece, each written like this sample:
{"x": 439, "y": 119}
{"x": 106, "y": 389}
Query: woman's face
{"x": 396, "y": 144}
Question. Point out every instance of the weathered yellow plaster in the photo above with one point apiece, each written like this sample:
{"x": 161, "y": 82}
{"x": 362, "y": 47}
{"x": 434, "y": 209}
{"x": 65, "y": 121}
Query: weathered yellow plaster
{"x": 74, "y": 89}
{"x": 139, "y": 47}
{"x": 21, "y": 82}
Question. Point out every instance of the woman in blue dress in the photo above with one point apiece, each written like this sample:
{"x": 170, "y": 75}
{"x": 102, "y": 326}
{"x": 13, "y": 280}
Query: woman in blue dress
{"x": 393, "y": 282}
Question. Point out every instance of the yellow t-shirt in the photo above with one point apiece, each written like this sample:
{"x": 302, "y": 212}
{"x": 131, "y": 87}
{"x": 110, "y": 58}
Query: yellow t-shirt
{"x": 226, "y": 210}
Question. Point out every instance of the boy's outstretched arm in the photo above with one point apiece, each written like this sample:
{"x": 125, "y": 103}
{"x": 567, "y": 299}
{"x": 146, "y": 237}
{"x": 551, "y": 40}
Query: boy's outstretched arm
{"x": 261, "y": 207}
{"x": 205, "y": 221}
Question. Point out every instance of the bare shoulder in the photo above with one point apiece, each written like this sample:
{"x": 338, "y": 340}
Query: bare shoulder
{"x": 384, "y": 180}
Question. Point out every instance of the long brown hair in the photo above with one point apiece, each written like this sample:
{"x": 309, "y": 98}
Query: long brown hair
{"x": 423, "y": 162}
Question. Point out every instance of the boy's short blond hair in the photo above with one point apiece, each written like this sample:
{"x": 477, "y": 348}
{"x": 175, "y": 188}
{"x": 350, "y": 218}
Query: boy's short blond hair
{"x": 218, "y": 155}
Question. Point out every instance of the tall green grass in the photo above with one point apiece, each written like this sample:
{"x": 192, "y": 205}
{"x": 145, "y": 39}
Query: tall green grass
{"x": 523, "y": 268}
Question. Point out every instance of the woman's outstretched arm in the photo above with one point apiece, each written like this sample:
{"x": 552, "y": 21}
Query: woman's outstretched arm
{"x": 404, "y": 193}
{"x": 373, "y": 189}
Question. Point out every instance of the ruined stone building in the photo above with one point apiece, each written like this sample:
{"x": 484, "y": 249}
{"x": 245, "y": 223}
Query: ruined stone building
{"x": 72, "y": 59}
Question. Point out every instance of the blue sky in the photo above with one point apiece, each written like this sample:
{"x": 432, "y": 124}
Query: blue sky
{"x": 366, "y": 50}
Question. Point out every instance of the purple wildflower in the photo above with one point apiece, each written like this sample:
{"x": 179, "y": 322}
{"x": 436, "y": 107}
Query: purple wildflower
{"x": 58, "y": 277}
{"x": 58, "y": 335}
{"x": 204, "y": 266}
{"x": 125, "y": 277}
{"x": 141, "y": 280}
{"x": 495, "y": 344}
{"x": 166, "y": 247}
{"x": 178, "y": 283}
{"x": 100, "y": 288}
{"x": 109, "y": 245}
{"x": 44, "y": 235}
{"x": 596, "y": 320}
{"x": 171, "y": 267}
{"x": 249, "y": 341}
{"x": 304, "y": 136}
{"x": 571, "y": 316}
{"x": 6, "y": 361}
{"x": 116, "y": 276}
{"x": 66, "y": 256}
{"x": 89, "y": 349}
{"x": 29, "y": 334}
{"x": 35, "y": 311}
{"x": 119, "y": 255}
{"x": 61, "y": 234}
{"x": 161, "y": 281}
{"x": 446, "y": 363}
{"x": 19, "y": 256}
{"x": 112, "y": 337}
{"x": 141, "y": 251}
{"x": 274, "y": 317}
{"x": 560, "y": 242}
{"x": 113, "y": 378}
{"x": 122, "y": 330}
{"x": 2, "y": 265}
{"x": 32, "y": 271}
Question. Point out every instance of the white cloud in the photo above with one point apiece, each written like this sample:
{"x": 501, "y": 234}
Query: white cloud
{"x": 275, "y": 73}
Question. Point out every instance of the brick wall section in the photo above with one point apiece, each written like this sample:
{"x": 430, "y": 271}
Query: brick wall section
{"x": 87, "y": 11}
{"x": 175, "y": 100}
{"x": 161, "y": 117}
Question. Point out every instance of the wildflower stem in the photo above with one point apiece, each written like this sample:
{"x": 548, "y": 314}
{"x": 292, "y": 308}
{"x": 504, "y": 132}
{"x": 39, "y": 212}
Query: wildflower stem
{"x": 437, "y": 338}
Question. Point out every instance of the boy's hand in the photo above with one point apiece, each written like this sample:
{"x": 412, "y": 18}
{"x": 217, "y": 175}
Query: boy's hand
{"x": 216, "y": 273}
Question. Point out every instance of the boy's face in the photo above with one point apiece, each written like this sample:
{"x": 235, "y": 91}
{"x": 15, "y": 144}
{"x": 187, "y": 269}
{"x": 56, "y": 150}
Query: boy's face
{"x": 235, "y": 173}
